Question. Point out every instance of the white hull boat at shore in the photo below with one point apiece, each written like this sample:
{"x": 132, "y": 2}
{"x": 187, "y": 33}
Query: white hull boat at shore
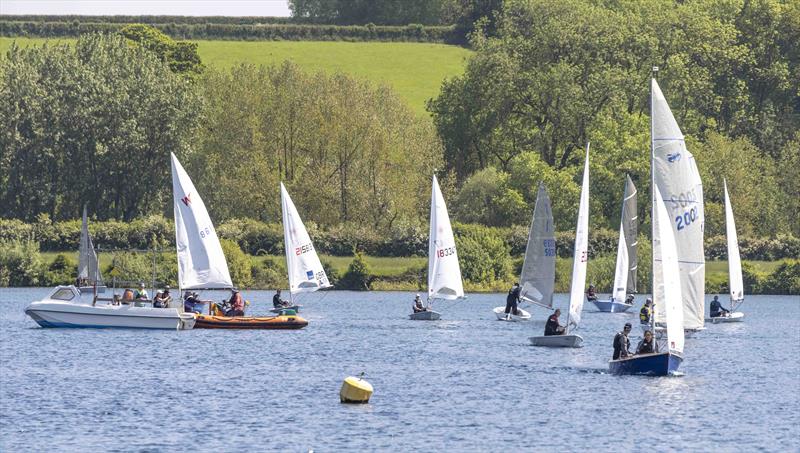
{"x": 64, "y": 307}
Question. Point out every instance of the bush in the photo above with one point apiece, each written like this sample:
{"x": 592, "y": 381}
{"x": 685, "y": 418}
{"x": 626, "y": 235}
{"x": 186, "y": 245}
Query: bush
{"x": 358, "y": 276}
{"x": 239, "y": 264}
{"x": 784, "y": 280}
{"x": 269, "y": 274}
{"x": 482, "y": 254}
{"x": 21, "y": 264}
{"x": 62, "y": 271}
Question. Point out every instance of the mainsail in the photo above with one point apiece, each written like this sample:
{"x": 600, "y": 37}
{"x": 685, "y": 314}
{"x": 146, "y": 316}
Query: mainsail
{"x": 302, "y": 263}
{"x": 88, "y": 266}
{"x": 537, "y": 280}
{"x": 444, "y": 273}
{"x": 625, "y": 273}
{"x": 581, "y": 255}
{"x": 201, "y": 262}
{"x": 668, "y": 293}
{"x": 734, "y": 260}
{"x": 676, "y": 176}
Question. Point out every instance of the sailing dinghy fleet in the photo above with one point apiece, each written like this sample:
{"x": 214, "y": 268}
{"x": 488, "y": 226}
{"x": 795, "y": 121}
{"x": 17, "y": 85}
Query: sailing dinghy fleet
{"x": 678, "y": 262}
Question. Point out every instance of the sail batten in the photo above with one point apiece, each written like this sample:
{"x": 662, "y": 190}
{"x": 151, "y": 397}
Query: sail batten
{"x": 537, "y": 279}
{"x": 736, "y": 283}
{"x": 677, "y": 178}
{"x": 305, "y": 271}
{"x": 201, "y": 261}
{"x": 444, "y": 272}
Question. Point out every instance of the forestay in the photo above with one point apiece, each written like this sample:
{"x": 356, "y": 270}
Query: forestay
{"x": 444, "y": 273}
{"x": 625, "y": 271}
{"x": 734, "y": 260}
{"x": 88, "y": 268}
{"x": 302, "y": 263}
{"x": 678, "y": 180}
{"x": 668, "y": 293}
{"x": 581, "y": 255}
{"x": 201, "y": 262}
{"x": 537, "y": 280}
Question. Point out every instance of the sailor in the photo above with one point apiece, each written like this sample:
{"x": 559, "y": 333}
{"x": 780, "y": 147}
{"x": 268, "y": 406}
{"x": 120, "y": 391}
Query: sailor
{"x": 716, "y": 308}
{"x": 191, "y": 303}
{"x": 277, "y": 302}
{"x": 622, "y": 344}
{"x": 418, "y": 306}
{"x": 237, "y": 304}
{"x": 629, "y": 299}
{"x": 158, "y": 299}
{"x": 511, "y": 300}
{"x": 141, "y": 293}
{"x": 553, "y": 327}
{"x": 646, "y": 312}
{"x": 647, "y": 345}
{"x": 591, "y": 296}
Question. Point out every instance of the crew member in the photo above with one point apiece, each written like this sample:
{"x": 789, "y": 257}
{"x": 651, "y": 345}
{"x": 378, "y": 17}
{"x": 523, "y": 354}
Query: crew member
{"x": 647, "y": 345}
{"x": 646, "y": 313}
{"x": 553, "y": 327}
{"x": 622, "y": 344}
{"x": 591, "y": 296}
{"x": 418, "y": 306}
{"x": 512, "y": 299}
{"x": 237, "y": 304}
{"x": 716, "y": 308}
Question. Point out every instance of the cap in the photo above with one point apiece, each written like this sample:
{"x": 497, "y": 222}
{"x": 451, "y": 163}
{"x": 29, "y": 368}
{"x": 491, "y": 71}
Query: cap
{"x": 627, "y": 325}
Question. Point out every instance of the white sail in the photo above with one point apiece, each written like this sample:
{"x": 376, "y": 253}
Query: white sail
{"x": 538, "y": 276}
{"x": 734, "y": 260}
{"x": 678, "y": 180}
{"x": 581, "y": 255}
{"x": 302, "y": 263}
{"x": 88, "y": 266}
{"x": 444, "y": 273}
{"x": 625, "y": 271}
{"x": 201, "y": 262}
{"x": 668, "y": 294}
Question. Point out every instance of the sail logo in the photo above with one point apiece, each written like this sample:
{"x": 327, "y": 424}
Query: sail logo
{"x": 187, "y": 200}
{"x": 674, "y": 157}
{"x": 447, "y": 251}
{"x": 310, "y": 275}
{"x": 304, "y": 249}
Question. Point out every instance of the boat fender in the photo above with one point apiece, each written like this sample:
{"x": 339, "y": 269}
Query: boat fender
{"x": 355, "y": 390}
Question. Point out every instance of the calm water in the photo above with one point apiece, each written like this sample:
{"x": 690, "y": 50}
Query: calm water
{"x": 467, "y": 382}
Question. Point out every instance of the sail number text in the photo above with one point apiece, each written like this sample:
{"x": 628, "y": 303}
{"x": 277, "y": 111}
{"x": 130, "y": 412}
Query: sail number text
{"x": 441, "y": 253}
{"x": 683, "y": 221}
{"x": 303, "y": 249}
{"x": 549, "y": 247}
{"x": 205, "y": 232}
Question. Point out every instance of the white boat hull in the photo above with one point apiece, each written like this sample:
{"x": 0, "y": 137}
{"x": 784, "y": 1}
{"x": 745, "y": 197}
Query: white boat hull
{"x": 661, "y": 331}
{"x": 558, "y": 341}
{"x": 736, "y": 316}
{"x": 67, "y": 314}
{"x": 296, "y": 308}
{"x": 521, "y": 315}
{"x": 429, "y": 315}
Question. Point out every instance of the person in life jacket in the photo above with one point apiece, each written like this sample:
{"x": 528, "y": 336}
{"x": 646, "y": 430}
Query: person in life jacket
{"x": 237, "y": 304}
{"x": 553, "y": 327}
{"x": 646, "y": 312}
{"x": 622, "y": 344}
{"x": 647, "y": 345}
{"x": 418, "y": 306}
{"x": 590, "y": 294}
{"x": 716, "y": 308}
{"x": 629, "y": 299}
{"x": 512, "y": 299}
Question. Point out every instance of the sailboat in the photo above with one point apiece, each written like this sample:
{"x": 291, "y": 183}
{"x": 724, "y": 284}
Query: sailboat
{"x": 89, "y": 277}
{"x": 201, "y": 261}
{"x": 625, "y": 272}
{"x": 674, "y": 172}
{"x": 734, "y": 266}
{"x": 538, "y": 276}
{"x": 579, "y": 261}
{"x": 444, "y": 273}
{"x": 666, "y": 293}
{"x": 306, "y": 273}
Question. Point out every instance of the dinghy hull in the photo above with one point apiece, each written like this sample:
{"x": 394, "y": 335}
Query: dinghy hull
{"x": 281, "y": 322}
{"x": 429, "y": 315}
{"x": 296, "y": 309}
{"x": 736, "y": 316}
{"x": 558, "y": 341}
{"x": 521, "y": 315}
{"x": 610, "y": 306}
{"x": 658, "y": 364}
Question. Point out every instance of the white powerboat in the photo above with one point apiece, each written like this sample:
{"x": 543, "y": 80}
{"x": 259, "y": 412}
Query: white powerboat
{"x": 66, "y": 306}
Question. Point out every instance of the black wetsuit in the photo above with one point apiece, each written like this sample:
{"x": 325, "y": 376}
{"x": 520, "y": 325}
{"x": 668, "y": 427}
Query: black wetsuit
{"x": 276, "y": 301}
{"x": 646, "y": 347}
{"x": 552, "y": 327}
{"x": 621, "y": 349}
{"x": 512, "y": 299}
{"x": 717, "y": 310}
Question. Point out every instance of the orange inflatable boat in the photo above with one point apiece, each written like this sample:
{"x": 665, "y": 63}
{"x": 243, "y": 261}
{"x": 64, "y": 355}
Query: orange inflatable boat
{"x": 283, "y": 321}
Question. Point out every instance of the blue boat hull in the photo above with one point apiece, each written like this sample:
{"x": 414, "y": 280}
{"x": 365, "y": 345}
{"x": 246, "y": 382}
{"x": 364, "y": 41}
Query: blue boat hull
{"x": 658, "y": 364}
{"x": 609, "y": 306}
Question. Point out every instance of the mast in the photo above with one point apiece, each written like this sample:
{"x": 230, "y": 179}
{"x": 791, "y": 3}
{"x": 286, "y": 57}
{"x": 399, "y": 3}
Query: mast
{"x": 652, "y": 209}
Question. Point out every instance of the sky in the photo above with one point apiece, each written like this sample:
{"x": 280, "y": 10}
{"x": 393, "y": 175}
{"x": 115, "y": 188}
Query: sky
{"x": 148, "y": 7}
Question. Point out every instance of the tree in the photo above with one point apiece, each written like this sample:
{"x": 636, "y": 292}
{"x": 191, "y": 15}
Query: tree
{"x": 360, "y": 12}
{"x": 181, "y": 56}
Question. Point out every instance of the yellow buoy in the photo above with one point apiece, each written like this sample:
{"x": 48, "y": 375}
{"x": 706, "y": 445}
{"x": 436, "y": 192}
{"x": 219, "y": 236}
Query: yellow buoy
{"x": 355, "y": 390}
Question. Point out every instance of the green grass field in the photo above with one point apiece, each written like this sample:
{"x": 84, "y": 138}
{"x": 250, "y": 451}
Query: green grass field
{"x": 414, "y": 70}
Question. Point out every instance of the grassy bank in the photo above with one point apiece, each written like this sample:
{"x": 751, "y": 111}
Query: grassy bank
{"x": 414, "y": 70}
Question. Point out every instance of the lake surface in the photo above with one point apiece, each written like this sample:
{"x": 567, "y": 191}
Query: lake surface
{"x": 465, "y": 383}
